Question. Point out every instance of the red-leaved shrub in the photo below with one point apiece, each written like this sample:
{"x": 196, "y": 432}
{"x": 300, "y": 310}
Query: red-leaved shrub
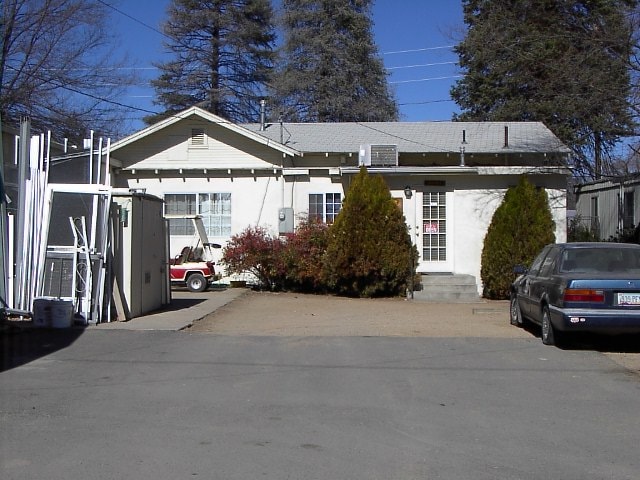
{"x": 256, "y": 252}
{"x": 302, "y": 257}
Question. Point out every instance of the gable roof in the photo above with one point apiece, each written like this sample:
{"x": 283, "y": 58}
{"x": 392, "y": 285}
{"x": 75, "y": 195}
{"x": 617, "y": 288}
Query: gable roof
{"x": 208, "y": 117}
{"x": 416, "y": 137}
{"x": 296, "y": 139}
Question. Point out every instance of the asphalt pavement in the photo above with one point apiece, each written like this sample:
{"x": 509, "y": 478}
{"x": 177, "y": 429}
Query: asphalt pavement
{"x": 155, "y": 405}
{"x": 161, "y": 401}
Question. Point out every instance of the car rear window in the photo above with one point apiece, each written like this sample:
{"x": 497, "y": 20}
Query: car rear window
{"x": 622, "y": 260}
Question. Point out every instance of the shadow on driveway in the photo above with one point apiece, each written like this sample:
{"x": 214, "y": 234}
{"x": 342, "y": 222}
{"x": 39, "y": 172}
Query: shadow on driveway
{"x": 178, "y": 304}
{"x": 627, "y": 343}
{"x": 24, "y": 344}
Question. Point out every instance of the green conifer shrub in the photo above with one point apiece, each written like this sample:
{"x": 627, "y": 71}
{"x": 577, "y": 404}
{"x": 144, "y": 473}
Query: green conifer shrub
{"x": 521, "y": 226}
{"x": 369, "y": 251}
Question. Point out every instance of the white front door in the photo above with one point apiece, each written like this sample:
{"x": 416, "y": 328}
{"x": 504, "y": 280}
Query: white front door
{"x": 434, "y": 235}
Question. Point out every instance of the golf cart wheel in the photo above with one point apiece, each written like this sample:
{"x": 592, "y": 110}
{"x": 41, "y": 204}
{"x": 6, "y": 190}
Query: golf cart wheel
{"x": 196, "y": 282}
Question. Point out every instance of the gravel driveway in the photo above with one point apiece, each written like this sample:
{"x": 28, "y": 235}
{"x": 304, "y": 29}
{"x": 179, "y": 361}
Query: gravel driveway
{"x": 290, "y": 314}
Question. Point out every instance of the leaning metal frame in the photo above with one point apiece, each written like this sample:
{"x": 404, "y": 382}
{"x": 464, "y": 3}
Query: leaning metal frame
{"x": 89, "y": 288}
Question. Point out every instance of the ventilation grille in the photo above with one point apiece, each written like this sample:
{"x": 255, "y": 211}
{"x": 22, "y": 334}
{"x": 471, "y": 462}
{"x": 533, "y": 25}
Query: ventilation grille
{"x": 197, "y": 136}
{"x": 378, "y": 155}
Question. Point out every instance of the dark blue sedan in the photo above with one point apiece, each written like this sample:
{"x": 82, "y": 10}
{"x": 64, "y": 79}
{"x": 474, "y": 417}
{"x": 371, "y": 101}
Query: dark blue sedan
{"x": 572, "y": 287}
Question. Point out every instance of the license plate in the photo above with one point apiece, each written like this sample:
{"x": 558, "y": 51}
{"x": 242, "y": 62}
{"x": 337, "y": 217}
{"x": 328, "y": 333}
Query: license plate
{"x": 628, "y": 298}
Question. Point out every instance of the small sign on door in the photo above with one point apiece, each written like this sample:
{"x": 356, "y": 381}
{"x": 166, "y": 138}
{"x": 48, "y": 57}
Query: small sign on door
{"x": 430, "y": 227}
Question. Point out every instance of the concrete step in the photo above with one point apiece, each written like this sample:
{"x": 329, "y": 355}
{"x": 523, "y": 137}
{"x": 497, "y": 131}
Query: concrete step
{"x": 448, "y": 288}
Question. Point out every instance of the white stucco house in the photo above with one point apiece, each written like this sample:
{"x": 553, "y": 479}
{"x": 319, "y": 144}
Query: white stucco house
{"x": 448, "y": 177}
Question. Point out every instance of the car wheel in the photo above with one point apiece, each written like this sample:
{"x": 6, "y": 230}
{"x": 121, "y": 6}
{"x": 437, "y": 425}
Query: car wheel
{"x": 515, "y": 314}
{"x": 549, "y": 333}
{"x": 196, "y": 282}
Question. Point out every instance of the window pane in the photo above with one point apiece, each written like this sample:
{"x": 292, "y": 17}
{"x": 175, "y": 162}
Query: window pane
{"x": 215, "y": 209}
{"x": 180, "y": 204}
{"x": 316, "y": 207}
{"x": 333, "y": 206}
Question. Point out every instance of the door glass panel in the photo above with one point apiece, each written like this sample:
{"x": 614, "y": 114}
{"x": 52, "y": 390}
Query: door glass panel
{"x": 434, "y": 227}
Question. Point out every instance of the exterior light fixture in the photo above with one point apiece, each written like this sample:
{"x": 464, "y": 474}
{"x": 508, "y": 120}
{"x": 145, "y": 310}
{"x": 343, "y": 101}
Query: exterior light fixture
{"x": 408, "y": 193}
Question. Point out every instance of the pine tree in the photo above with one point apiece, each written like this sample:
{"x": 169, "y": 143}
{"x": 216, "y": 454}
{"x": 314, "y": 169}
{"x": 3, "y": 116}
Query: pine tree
{"x": 521, "y": 226}
{"x": 224, "y": 52}
{"x": 561, "y": 62}
{"x": 369, "y": 251}
{"x": 330, "y": 69}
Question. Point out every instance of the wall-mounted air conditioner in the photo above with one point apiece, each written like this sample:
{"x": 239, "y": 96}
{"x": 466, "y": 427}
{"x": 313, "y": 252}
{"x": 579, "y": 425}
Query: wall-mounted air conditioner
{"x": 378, "y": 155}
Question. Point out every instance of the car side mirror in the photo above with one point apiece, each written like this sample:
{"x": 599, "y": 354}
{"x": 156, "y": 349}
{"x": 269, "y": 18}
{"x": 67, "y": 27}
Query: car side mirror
{"x": 520, "y": 270}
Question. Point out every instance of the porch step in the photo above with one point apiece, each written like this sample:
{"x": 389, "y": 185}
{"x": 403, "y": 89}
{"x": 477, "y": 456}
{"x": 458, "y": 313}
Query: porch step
{"x": 448, "y": 288}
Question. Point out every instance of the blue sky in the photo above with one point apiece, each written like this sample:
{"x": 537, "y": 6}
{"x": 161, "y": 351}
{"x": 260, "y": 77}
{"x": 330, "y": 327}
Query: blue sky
{"x": 414, "y": 38}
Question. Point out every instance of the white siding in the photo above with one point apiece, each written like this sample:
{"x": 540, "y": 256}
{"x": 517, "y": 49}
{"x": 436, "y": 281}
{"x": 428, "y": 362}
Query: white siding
{"x": 172, "y": 149}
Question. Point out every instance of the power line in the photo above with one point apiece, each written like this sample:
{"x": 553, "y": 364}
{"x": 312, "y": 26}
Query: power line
{"x": 422, "y": 65}
{"x": 403, "y": 138}
{"x": 426, "y": 79}
{"x": 419, "y": 50}
{"x": 425, "y": 102}
{"x": 147, "y": 111}
{"x": 133, "y": 18}
{"x": 58, "y": 84}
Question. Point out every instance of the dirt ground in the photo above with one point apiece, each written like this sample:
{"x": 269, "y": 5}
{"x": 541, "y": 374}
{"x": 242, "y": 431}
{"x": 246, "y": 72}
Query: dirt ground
{"x": 289, "y": 314}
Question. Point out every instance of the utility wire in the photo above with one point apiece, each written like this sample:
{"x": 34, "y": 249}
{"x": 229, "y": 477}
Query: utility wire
{"x": 133, "y": 18}
{"x": 415, "y": 50}
{"x": 422, "y": 65}
{"x": 426, "y": 79}
{"x": 370, "y": 127}
{"x": 147, "y": 111}
{"x": 428, "y": 101}
{"x": 419, "y": 50}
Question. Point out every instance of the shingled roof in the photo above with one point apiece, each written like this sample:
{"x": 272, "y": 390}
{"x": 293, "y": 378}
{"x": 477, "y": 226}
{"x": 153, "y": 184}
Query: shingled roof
{"x": 418, "y": 137}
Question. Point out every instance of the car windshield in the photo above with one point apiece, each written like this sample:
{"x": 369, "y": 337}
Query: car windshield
{"x": 621, "y": 260}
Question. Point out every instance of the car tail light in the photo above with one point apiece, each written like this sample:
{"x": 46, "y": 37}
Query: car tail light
{"x": 583, "y": 295}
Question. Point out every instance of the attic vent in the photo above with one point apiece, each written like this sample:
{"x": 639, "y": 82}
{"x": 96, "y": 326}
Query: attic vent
{"x": 197, "y": 136}
{"x": 378, "y": 155}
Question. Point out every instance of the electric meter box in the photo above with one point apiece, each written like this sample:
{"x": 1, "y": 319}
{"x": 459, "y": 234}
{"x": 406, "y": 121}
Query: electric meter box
{"x": 285, "y": 220}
